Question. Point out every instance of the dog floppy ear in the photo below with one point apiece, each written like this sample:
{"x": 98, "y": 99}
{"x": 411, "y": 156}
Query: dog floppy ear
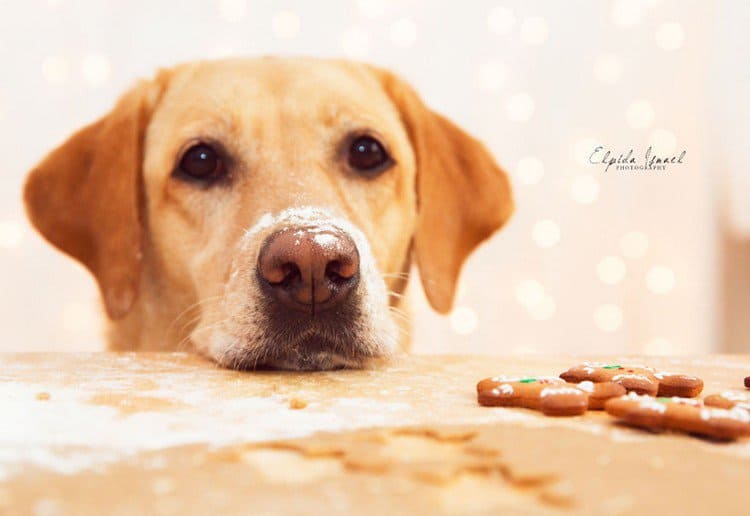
{"x": 463, "y": 195}
{"x": 84, "y": 197}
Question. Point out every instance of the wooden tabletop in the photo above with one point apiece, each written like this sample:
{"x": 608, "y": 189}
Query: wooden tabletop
{"x": 173, "y": 434}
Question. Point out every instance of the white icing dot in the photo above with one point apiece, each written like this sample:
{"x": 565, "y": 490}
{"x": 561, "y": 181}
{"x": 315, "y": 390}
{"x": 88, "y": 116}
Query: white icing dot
{"x": 654, "y": 406}
{"x": 506, "y": 389}
{"x": 557, "y": 391}
{"x": 587, "y": 386}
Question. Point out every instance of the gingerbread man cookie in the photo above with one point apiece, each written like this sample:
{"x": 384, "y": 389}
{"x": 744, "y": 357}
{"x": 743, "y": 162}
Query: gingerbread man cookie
{"x": 552, "y": 396}
{"x": 639, "y": 379}
{"x": 728, "y": 400}
{"x": 681, "y": 414}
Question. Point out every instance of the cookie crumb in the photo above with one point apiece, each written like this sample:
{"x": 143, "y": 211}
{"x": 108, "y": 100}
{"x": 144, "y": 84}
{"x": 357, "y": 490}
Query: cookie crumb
{"x": 656, "y": 462}
{"x": 296, "y": 404}
{"x": 43, "y": 396}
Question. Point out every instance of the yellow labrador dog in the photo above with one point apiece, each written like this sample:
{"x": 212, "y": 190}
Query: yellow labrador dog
{"x": 266, "y": 212}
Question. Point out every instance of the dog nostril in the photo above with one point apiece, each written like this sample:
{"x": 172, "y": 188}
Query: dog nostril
{"x": 308, "y": 269}
{"x": 339, "y": 271}
{"x": 290, "y": 275}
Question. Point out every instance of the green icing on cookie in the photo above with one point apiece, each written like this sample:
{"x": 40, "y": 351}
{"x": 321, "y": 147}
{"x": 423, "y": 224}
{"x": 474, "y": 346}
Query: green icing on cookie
{"x": 663, "y": 400}
{"x": 614, "y": 366}
{"x": 527, "y": 380}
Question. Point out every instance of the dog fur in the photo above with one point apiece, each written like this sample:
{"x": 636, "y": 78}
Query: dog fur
{"x": 175, "y": 261}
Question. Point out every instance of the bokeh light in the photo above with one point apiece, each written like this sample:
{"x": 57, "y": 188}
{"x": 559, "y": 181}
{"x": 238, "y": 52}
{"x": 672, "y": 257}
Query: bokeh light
{"x": 530, "y": 170}
{"x": 520, "y": 107}
{"x": 583, "y": 148}
{"x": 608, "y": 318}
{"x": 634, "y": 244}
{"x": 77, "y": 317}
{"x": 584, "y": 189}
{"x": 670, "y": 36}
{"x": 664, "y": 142}
{"x": 403, "y": 33}
{"x": 611, "y": 270}
{"x": 640, "y": 114}
{"x": 546, "y": 233}
{"x": 95, "y": 69}
{"x": 464, "y": 320}
{"x": 11, "y": 233}
{"x": 626, "y": 13}
{"x": 501, "y": 20}
{"x": 372, "y": 8}
{"x": 55, "y": 69}
{"x": 491, "y": 75}
{"x": 286, "y": 24}
{"x": 658, "y": 346}
{"x": 355, "y": 42}
{"x": 232, "y": 11}
{"x": 544, "y": 309}
{"x": 529, "y": 293}
{"x": 534, "y": 31}
{"x": 660, "y": 279}
{"x": 607, "y": 68}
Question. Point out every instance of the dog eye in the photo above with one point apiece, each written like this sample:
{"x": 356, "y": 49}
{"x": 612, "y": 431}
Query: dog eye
{"x": 368, "y": 155}
{"x": 202, "y": 162}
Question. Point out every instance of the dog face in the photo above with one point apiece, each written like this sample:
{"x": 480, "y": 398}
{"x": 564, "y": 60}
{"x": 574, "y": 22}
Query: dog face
{"x": 280, "y": 199}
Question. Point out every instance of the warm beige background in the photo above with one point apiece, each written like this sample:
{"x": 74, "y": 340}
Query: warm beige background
{"x": 592, "y": 262}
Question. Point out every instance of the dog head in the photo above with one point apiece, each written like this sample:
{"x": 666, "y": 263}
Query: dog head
{"x": 281, "y": 200}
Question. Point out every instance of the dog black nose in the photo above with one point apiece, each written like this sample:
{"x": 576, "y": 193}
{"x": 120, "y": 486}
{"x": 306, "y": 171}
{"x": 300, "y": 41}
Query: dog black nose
{"x": 309, "y": 269}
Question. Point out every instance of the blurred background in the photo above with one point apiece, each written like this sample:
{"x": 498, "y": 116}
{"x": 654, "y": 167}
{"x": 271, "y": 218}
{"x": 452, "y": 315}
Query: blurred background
{"x": 592, "y": 262}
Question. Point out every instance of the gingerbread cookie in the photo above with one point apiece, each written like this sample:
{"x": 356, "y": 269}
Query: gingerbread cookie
{"x": 550, "y": 395}
{"x": 728, "y": 400}
{"x": 638, "y": 379}
{"x": 680, "y": 414}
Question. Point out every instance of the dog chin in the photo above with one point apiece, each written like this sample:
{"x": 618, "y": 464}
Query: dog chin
{"x": 311, "y": 353}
